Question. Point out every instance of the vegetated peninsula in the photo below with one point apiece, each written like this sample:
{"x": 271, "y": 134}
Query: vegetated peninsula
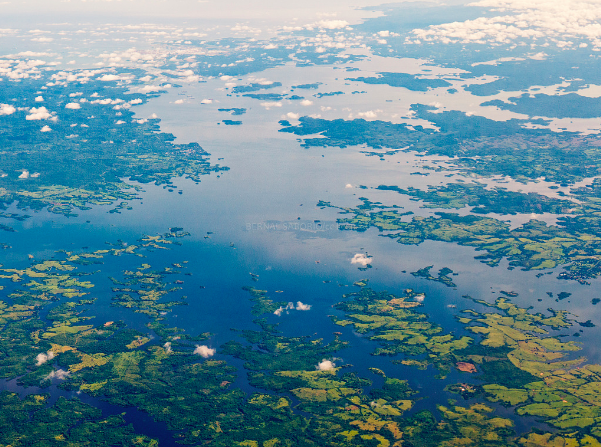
{"x": 101, "y": 145}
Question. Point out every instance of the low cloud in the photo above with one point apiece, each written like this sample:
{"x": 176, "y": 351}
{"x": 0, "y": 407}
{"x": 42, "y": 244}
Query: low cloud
{"x": 370, "y": 114}
{"x": 292, "y": 116}
{"x": 39, "y": 99}
{"x": 360, "y": 258}
{"x": 40, "y": 113}
{"x": 302, "y": 306}
{"x": 283, "y": 309}
{"x": 306, "y": 102}
{"x": 73, "y": 105}
{"x": 326, "y": 365}
{"x": 522, "y": 19}
{"x": 206, "y": 101}
{"x": 45, "y": 129}
{"x": 168, "y": 348}
{"x": 204, "y": 351}
{"x": 329, "y": 24}
{"x": 268, "y": 105}
{"x": 7, "y": 109}
{"x": 42, "y": 358}
{"x": 107, "y": 78}
{"x": 59, "y": 374}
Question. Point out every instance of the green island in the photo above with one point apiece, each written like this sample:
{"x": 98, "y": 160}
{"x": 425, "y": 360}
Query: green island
{"x": 443, "y": 275}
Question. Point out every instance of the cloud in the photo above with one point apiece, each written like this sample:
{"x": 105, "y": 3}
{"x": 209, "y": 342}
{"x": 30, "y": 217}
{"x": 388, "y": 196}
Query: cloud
{"x": 360, "y": 258}
{"x": 204, "y": 351}
{"x": 107, "y": 78}
{"x": 73, "y": 105}
{"x": 39, "y": 99}
{"x": 330, "y": 24}
{"x": 42, "y": 39}
{"x": 59, "y": 374}
{"x": 306, "y": 102}
{"x": 282, "y": 309}
{"x": 206, "y": 101}
{"x": 292, "y": 116}
{"x": 7, "y": 109}
{"x": 178, "y": 101}
{"x": 326, "y": 365}
{"x": 268, "y": 105}
{"x": 45, "y": 129}
{"x": 348, "y": 186}
{"x": 539, "y": 20}
{"x": 26, "y": 54}
{"x": 370, "y": 114}
{"x": 420, "y": 298}
{"x": 25, "y": 174}
{"x": 302, "y": 306}
{"x": 168, "y": 348}
{"x": 40, "y": 113}
{"x": 42, "y": 358}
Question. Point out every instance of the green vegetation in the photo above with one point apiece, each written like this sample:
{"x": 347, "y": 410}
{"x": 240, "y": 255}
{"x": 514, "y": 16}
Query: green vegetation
{"x": 303, "y": 397}
{"x": 262, "y": 304}
{"x": 399, "y": 328}
{"x": 474, "y": 144}
{"x": 31, "y": 422}
{"x": 534, "y": 245}
{"x": 496, "y": 200}
{"x": 443, "y": 275}
{"x": 100, "y": 145}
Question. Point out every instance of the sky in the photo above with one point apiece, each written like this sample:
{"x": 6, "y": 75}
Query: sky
{"x": 192, "y": 9}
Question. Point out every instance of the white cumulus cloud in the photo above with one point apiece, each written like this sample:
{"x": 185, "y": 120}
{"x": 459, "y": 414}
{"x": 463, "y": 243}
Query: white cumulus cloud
{"x": 360, "y": 258}
{"x": 59, "y": 374}
{"x": 107, "y": 78}
{"x": 302, "y": 306}
{"x": 73, "y": 105}
{"x": 204, "y": 351}
{"x": 42, "y": 358}
{"x": 370, "y": 114}
{"x": 7, "y": 109}
{"x": 269, "y": 104}
{"x": 330, "y": 24}
{"x": 283, "y": 309}
{"x": 40, "y": 113}
{"x": 326, "y": 365}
